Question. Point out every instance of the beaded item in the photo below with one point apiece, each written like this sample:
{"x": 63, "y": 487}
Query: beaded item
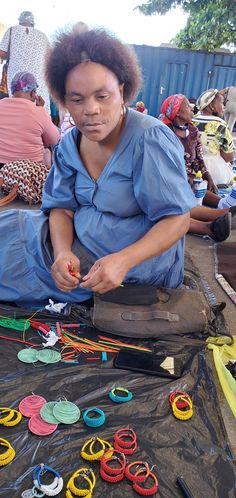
{"x": 72, "y": 488}
{"x": 8, "y": 455}
{"x": 66, "y": 412}
{"x": 37, "y": 426}
{"x": 56, "y": 485}
{"x": 94, "y": 421}
{"x": 46, "y": 413}
{"x": 120, "y": 399}
{"x": 31, "y": 405}
{"x": 27, "y": 355}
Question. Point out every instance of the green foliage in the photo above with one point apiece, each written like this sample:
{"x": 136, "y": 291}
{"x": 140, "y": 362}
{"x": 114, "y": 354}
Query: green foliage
{"x": 211, "y": 23}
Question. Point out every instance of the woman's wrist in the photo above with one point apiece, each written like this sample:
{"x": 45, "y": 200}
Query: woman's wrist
{"x": 61, "y": 252}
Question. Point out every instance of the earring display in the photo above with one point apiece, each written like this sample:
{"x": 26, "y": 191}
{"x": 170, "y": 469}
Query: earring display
{"x": 66, "y": 412}
{"x": 126, "y": 395}
{"x": 31, "y": 405}
{"x": 94, "y": 421}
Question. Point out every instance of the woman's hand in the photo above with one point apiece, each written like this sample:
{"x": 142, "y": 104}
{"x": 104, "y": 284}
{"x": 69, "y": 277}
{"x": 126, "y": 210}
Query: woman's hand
{"x": 66, "y": 271}
{"x": 107, "y": 273}
{"x": 39, "y": 101}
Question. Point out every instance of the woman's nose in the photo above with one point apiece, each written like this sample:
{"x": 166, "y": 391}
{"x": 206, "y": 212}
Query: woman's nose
{"x": 91, "y": 107}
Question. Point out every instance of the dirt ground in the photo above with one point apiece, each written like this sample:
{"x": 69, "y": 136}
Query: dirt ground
{"x": 201, "y": 251}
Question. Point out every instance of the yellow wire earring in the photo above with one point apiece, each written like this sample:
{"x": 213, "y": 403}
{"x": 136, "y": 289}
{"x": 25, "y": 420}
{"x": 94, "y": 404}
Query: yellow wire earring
{"x": 72, "y": 488}
{"x": 16, "y": 420}
{"x": 8, "y": 455}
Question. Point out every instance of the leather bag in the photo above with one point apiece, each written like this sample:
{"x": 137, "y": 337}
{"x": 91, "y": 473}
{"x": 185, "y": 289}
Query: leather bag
{"x": 176, "y": 311}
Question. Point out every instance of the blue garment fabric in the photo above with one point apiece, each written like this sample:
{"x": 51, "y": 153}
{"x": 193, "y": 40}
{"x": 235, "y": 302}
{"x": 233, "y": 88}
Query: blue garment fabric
{"x": 143, "y": 181}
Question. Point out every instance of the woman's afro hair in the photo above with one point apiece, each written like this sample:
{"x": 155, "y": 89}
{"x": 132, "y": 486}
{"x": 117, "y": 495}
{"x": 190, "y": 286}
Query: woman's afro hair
{"x": 70, "y": 49}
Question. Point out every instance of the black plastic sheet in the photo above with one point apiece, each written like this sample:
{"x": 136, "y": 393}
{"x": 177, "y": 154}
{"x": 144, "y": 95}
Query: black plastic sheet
{"x": 197, "y": 449}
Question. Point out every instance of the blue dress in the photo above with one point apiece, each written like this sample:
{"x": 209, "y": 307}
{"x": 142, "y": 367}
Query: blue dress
{"x": 143, "y": 181}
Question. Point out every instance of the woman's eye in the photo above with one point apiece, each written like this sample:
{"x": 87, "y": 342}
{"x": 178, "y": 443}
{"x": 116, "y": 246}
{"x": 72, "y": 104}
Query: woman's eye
{"x": 102, "y": 97}
{"x": 76, "y": 101}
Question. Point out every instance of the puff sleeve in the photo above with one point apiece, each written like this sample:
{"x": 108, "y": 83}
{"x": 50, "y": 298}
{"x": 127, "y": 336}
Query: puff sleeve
{"x": 59, "y": 188}
{"x": 160, "y": 181}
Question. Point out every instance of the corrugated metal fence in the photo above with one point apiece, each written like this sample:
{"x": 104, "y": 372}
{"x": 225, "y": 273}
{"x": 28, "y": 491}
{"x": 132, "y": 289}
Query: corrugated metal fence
{"x": 171, "y": 70}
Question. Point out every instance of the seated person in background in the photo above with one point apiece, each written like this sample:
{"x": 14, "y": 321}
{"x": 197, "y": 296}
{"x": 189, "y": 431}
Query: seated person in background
{"x": 140, "y": 107}
{"x": 216, "y": 137}
{"x": 176, "y": 113}
{"x": 67, "y": 124}
{"x": 25, "y": 126}
{"x": 110, "y": 187}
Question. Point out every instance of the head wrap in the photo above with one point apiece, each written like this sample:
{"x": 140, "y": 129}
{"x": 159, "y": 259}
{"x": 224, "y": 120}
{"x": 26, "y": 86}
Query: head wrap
{"x": 206, "y": 98}
{"x": 23, "y": 82}
{"x": 26, "y": 17}
{"x": 171, "y": 107}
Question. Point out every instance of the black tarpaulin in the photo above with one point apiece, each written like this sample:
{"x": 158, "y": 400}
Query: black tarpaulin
{"x": 197, "y": 449}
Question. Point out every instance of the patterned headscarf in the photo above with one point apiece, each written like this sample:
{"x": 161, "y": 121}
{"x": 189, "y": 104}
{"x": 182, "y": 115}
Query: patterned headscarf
{"x": 206, "y": 98}
{"x": 23, "y": 82}
{"x": 171, "y": 107}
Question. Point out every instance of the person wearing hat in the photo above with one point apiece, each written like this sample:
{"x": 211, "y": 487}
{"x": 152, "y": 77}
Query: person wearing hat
{"x": 177, "y": 114}
{"x": 216, "y": 138}
{"x": 25, "y": 126}
{"x": 25, "y": 49}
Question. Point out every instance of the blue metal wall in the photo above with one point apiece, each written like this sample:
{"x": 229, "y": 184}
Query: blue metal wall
{"x": 170, "y": 70}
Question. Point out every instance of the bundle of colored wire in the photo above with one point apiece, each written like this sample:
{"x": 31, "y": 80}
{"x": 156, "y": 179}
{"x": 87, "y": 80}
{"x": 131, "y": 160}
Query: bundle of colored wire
{"x": 118, "y": 344}
{"x": 14, "y": 323}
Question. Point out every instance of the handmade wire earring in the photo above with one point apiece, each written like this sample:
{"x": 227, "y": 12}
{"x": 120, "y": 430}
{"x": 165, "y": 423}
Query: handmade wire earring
{"x": 108, "y": 458}
{"x": 184, "y": 414}
{"x": 180, "y": 404}
{"x": 120, "y": 399}
{"x": 94, "y": 421}
{"x": 72, "y": 488}
{"x": 66, "y": 412}
{"x": 147, "y": 491}
{"x": 91, "y": 455}
{"x": 10, "y": 419}
{"x": 30, "y": 405}
{"x": 37, "y": 426}
{"x": 8, "y": 455}
{"x": 111, "y": 478}
{"x": 141, "y": 474}
{"x": 120, "y": 441}
{"x": 16, "y": 418}
{"x": 52, "y": 489}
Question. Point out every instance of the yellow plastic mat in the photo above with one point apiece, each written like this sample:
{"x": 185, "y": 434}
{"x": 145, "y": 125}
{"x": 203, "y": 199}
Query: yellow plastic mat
{"x": 222, "y": 355}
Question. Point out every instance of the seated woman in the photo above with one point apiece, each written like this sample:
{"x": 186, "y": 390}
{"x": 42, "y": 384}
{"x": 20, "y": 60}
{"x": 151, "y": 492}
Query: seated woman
{"x": 117, "y": 185}
{"x": 25, "y": 127}
{"x": 216, "y": 137}
{"x": 176, "y": 113}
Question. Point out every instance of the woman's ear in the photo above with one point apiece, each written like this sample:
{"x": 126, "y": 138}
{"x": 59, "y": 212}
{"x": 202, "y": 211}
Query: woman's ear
{"x": 121, "y": 87}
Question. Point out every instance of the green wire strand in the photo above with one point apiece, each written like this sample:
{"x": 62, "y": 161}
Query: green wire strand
{"x": 15, "y": 324}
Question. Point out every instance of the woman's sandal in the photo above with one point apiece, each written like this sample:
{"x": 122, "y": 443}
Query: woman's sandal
{"x": 221, "y": 227}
